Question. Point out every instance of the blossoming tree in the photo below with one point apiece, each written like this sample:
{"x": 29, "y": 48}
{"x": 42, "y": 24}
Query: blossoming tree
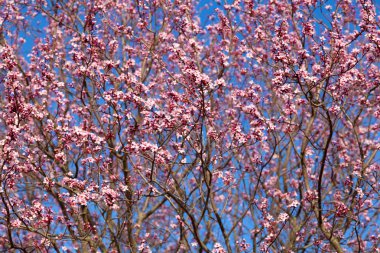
{"x": 184, "y": 126}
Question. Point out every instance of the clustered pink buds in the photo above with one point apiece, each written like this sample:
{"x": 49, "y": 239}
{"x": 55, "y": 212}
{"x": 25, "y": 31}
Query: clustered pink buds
{"x": 185, "y": 126}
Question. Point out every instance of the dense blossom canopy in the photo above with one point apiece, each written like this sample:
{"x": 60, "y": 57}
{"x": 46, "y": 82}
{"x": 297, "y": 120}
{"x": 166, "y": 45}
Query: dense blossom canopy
{"x": 185, "y": 126}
